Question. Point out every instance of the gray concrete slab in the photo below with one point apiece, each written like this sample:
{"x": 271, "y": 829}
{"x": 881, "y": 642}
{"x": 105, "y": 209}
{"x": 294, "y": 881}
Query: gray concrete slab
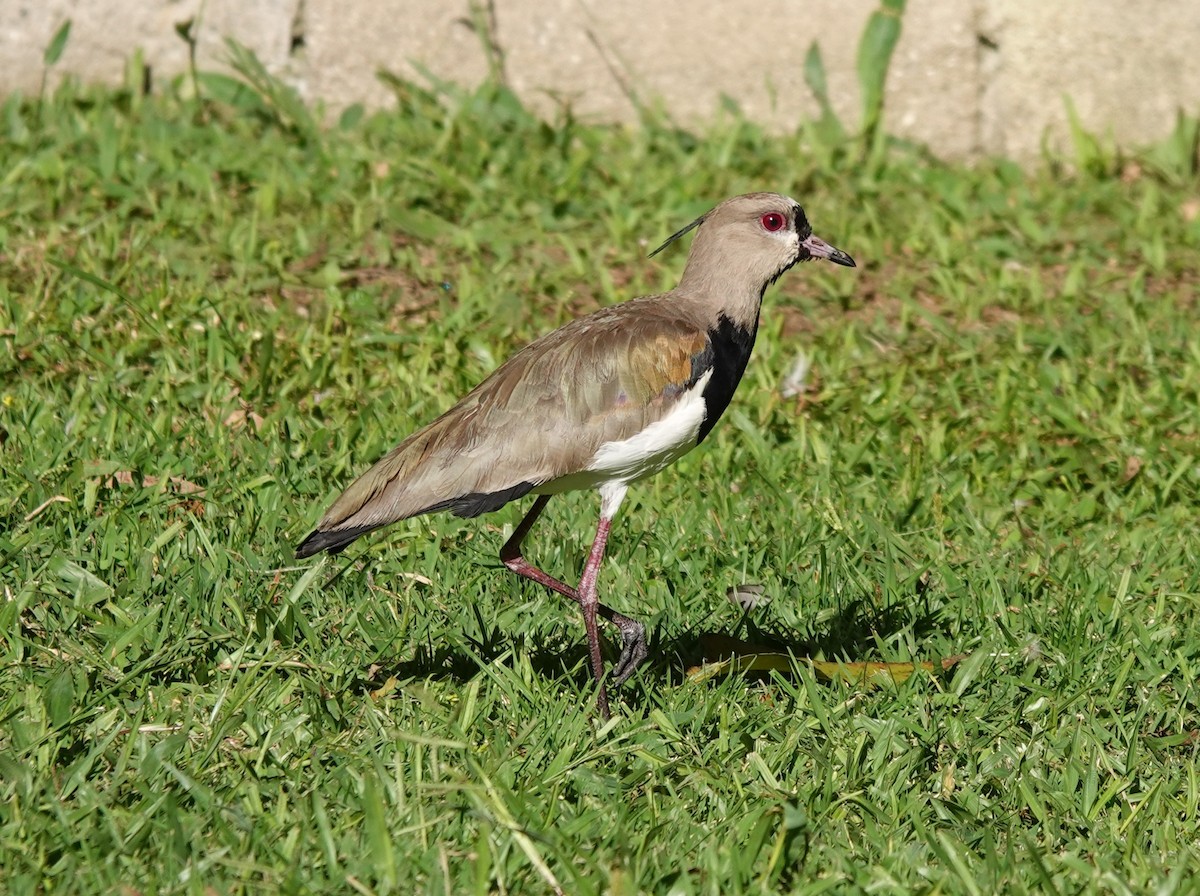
{"x": 987, "y": 77}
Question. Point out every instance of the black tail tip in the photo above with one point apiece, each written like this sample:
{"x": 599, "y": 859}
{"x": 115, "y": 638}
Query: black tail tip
{"x": 332, "y": 541}
{"x": 311, "y": 545}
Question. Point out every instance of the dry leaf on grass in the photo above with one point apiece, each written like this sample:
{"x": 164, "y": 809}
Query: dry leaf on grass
{"x": 177, "y": 483}
{"x": 239, "y": 418}
{"x": 736, "y": 655}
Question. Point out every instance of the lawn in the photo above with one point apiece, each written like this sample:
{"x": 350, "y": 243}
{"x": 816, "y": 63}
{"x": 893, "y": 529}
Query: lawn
{"x": 214, "y": 312}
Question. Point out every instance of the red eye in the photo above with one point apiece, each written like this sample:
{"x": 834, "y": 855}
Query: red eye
{"x": 773, "y": 221}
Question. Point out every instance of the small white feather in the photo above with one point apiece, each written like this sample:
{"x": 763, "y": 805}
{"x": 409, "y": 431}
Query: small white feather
{"x": 797, "y": 378}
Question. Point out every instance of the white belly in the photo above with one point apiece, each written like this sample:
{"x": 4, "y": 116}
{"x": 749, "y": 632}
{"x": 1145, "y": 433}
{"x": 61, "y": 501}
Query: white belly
{"x": 657, "y": 446}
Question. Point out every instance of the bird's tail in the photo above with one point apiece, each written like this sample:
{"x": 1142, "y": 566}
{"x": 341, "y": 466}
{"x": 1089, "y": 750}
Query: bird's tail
{"x": 332, "y": 541}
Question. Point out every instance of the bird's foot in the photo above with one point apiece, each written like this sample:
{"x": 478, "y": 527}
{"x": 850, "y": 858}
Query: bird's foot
{"x": 633, "y": 649}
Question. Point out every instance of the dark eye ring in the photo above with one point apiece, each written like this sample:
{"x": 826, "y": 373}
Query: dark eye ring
{"x": 773, "y": 221}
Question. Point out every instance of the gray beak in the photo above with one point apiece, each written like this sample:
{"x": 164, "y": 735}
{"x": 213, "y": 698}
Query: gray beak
{"x": 818, "y": 248}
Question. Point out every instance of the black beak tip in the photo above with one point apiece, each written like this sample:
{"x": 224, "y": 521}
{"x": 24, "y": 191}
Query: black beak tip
{"x": 840, "y": 257}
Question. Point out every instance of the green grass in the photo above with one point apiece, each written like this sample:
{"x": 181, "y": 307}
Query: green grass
{"x": 213, "y": 314}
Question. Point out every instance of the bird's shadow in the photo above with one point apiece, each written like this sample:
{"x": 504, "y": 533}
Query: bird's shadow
{"x": 852, "y": 632}
{"x": 548, "y": 656}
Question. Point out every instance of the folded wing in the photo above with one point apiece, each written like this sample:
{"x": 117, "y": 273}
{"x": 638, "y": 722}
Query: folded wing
{"x": 538, "y": 418}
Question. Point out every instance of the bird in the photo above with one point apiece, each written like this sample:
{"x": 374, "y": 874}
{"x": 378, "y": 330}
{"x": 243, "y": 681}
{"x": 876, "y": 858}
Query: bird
{"x": 602, "y": 402}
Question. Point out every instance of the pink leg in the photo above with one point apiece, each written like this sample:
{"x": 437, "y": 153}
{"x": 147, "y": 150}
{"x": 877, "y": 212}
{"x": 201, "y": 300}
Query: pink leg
{"x": 589, "y": 602}
{"x": 633, "y": 634}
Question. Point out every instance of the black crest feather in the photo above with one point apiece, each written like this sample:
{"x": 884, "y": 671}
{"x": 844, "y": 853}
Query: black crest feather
{"x": 677, "y": 234}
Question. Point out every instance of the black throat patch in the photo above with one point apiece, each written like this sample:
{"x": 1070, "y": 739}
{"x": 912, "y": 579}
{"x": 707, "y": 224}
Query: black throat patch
{"x": 726, "y": 355}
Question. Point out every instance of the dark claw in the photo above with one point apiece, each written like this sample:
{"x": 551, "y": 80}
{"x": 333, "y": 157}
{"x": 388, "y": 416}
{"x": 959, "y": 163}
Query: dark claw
{"x": 633, "y": 650}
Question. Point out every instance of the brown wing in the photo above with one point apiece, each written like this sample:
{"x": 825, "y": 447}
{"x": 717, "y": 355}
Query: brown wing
{"x": 540, "y": 416}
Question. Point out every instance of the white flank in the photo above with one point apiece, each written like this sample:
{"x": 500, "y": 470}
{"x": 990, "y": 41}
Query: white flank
{"x": 616, "y": 464}
{"x": 658, "y": 445}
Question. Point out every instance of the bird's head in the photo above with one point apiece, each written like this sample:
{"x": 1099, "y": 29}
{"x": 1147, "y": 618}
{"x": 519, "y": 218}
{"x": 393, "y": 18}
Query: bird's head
{"x": 752, "y": 239}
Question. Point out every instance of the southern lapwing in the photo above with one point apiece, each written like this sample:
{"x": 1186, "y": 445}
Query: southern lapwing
{"x": 600, "y": 403}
